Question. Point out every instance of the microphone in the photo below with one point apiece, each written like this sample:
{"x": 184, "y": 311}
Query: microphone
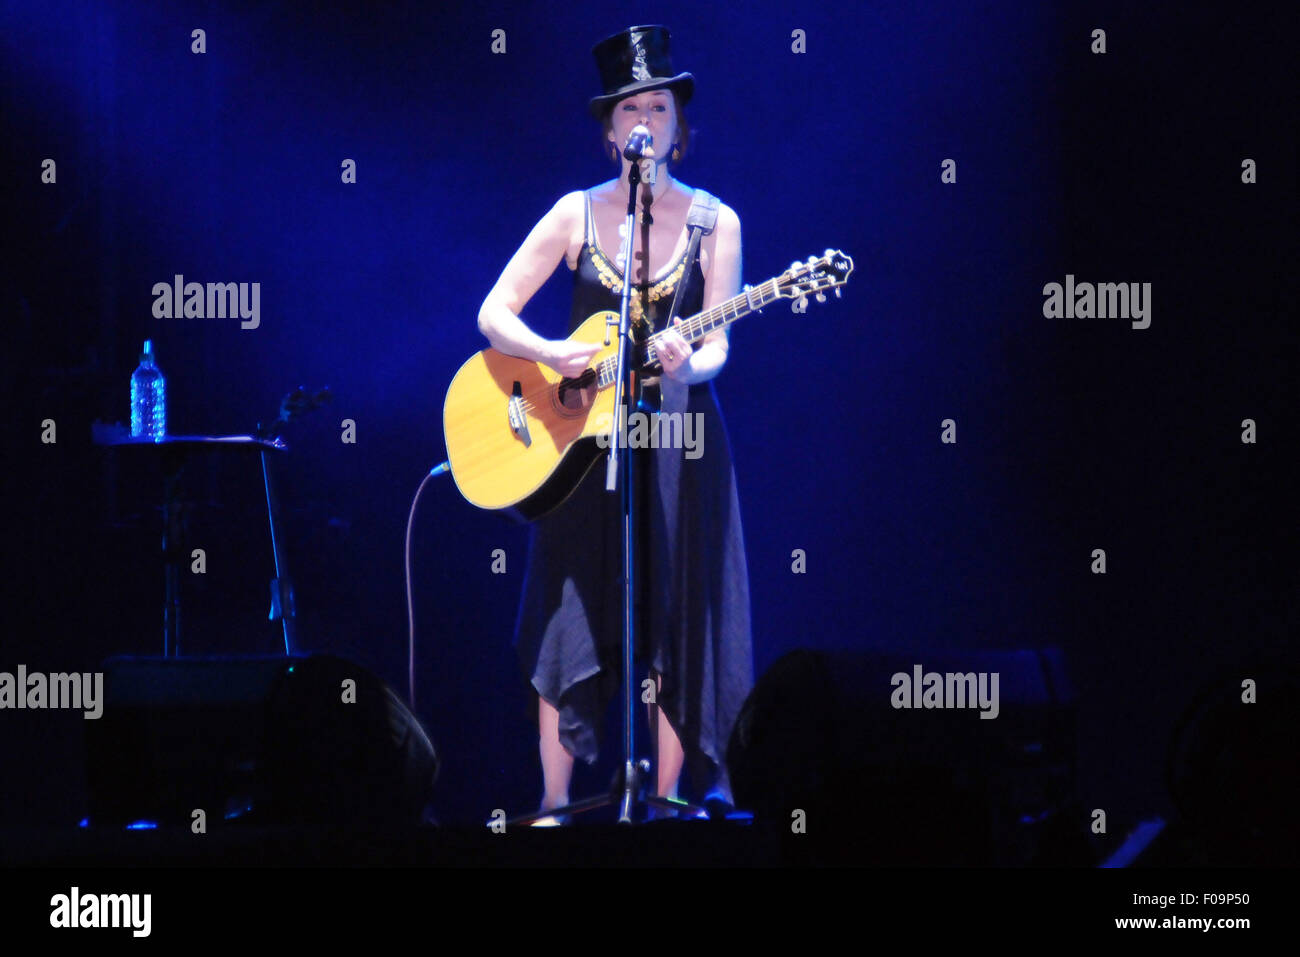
{"x": 639, "y": 142}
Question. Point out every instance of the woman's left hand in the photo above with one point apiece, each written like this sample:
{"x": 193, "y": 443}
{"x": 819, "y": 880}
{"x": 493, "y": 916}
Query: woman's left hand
{"x": 674, "y": 352}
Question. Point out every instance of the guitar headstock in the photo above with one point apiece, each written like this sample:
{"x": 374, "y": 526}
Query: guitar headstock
{"x": 830, "y": 270}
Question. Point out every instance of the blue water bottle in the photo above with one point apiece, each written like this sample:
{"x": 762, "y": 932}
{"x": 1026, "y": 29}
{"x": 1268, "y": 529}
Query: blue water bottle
{"x": 148, "y": 397}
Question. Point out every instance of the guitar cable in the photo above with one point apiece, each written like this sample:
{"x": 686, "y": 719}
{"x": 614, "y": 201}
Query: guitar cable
{"x": 445, "y": 467}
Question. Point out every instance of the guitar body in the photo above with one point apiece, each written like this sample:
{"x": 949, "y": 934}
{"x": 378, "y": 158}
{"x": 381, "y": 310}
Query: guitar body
{"x": 492, "y": 465}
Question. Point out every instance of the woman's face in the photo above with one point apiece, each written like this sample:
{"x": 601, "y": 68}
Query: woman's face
{"x": 656, "y": 110}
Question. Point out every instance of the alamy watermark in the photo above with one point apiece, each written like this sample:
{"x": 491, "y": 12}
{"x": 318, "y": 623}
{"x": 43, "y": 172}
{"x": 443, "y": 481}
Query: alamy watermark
{"x": 37, "y": 691}
{"x": 76, "y": 909}
{"x": 656, "y": 430}
{"x": 1103, "y": 300}
{"x": 215, "y": 300}
{"x": 931, "y": 689}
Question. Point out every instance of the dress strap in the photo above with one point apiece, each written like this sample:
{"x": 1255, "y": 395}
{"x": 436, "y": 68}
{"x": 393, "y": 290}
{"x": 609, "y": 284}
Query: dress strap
{"x": 589, "y": 225}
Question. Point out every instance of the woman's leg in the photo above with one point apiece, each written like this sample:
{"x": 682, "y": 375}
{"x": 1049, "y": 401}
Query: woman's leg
{"x": 557, "y": 762}
{"x": 671, "y": 757}
{"x": 668, "y": 754}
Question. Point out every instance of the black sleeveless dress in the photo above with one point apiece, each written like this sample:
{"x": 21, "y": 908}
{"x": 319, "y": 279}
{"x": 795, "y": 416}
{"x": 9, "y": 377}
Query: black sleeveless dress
{"x": 692, "y": 612}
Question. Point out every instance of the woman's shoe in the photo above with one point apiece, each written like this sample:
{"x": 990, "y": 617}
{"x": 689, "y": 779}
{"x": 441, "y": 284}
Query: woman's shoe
{"x": 551, "y": 820}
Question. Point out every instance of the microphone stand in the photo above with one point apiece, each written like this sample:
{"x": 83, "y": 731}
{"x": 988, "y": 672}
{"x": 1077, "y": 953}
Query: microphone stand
{"x": 283, "y": 609}
{"x": 618, "y": 472}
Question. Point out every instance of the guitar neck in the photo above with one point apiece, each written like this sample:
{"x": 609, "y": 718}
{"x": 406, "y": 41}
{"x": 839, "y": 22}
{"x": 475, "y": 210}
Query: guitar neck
{"x": 700, "y": 325}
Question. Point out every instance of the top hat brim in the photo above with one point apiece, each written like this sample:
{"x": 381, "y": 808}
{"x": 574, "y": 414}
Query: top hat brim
{"x": 683, "y": 85}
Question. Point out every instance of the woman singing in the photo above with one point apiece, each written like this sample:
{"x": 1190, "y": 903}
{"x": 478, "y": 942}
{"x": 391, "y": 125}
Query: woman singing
{"x": 692, "y": 587}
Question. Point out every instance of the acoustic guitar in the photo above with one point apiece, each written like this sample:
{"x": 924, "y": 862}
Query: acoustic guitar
{"x": 521, "y": 437}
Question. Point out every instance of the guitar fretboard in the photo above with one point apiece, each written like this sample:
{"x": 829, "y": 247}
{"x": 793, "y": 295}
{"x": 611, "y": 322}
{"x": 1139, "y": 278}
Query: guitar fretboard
{"x": 699, "y": 326}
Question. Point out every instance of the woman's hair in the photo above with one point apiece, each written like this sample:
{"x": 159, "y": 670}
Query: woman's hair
{"x": 613, "y": 153}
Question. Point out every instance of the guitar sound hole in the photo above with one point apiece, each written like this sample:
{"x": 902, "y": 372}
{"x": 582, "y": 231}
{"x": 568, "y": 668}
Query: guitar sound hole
{"x": 577, "y": 394}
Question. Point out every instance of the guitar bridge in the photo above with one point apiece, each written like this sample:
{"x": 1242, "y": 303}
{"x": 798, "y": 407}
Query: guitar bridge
{"x": 515, "y": 413}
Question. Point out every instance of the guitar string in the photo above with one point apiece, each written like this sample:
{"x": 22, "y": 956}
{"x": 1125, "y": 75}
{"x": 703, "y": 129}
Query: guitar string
{"x": 690, "y": 326}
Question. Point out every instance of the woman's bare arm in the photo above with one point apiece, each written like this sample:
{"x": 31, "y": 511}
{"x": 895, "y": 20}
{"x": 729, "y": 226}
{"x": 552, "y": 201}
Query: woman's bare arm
{"x": 530, "y": 266}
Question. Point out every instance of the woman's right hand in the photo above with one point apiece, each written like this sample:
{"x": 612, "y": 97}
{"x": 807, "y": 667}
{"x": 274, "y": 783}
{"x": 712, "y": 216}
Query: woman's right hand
{"x": 570, "y": 359}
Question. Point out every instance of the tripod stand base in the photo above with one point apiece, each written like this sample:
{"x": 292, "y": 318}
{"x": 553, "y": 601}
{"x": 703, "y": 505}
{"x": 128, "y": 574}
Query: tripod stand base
{"x": 627, "y": 790}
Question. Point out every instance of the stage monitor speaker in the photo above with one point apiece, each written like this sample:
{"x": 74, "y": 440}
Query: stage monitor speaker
{"x": 820, "y": 734}
{"x": 1232, "y": 770}
{"x": 266, "y": 740}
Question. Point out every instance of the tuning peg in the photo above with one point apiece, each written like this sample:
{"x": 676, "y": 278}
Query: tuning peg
{"x": 837, "y": 292}
{"x": 821, "y": 297}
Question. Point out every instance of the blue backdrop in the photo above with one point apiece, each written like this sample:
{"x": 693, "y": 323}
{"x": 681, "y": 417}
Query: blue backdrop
{"x": 1071, "y": 434}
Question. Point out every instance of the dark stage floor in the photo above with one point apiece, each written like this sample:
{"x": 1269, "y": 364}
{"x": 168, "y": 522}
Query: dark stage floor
{"x": 658, "y": 844}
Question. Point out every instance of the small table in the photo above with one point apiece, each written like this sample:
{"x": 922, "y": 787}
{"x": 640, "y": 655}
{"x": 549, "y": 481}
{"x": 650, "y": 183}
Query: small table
{"x": 172, "y": 452}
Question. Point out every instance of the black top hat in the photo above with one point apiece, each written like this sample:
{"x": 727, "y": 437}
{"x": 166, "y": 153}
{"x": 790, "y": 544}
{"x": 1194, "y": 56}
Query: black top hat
{"x": 635, "y": 60}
